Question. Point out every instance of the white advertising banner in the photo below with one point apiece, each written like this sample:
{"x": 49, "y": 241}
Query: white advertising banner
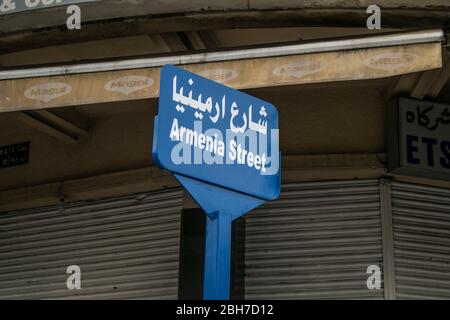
{"x": 143, "y": 83}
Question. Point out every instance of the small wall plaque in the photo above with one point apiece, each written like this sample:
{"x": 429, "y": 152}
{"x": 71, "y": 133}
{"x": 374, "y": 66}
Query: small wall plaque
{"x": 14, "y": 155}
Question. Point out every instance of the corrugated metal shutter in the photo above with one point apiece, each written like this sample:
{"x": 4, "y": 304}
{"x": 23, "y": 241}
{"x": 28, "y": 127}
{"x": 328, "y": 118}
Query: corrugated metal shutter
{"x": 421, "y": 223}
{"x": 316, "y": 241}
{"x": 126, "y": 247}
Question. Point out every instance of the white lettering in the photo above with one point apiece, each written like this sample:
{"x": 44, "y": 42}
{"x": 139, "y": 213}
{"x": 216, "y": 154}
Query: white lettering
{"x": 174, "y": 131}
{"x": 212, "y": 147}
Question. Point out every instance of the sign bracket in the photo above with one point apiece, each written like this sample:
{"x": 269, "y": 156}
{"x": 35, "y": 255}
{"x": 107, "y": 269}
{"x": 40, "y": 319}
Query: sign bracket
{"x": 233, "y": 205}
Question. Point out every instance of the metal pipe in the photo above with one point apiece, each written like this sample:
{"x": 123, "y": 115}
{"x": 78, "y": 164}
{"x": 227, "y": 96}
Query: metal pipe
{"x": 426, "y": 36}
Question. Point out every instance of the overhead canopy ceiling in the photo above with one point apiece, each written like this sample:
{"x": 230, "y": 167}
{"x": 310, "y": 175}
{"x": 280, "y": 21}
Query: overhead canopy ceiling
{"x": 119, "y": 18}
{"x": 173, "y": 42}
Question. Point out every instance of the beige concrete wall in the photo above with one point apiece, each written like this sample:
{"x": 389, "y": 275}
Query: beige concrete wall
{"x": 314, "y": 119}
{"x": 330, "y": 118}
{"x": 120, "y": 139}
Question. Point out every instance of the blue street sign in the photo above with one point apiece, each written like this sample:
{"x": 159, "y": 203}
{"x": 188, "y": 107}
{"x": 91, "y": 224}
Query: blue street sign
{"x": 216, "y": 134}
{"x": 222, "y": 145}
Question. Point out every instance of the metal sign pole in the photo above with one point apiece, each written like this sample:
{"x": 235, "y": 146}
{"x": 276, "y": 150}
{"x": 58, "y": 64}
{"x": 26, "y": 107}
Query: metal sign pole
{"x": 216, "y": 284}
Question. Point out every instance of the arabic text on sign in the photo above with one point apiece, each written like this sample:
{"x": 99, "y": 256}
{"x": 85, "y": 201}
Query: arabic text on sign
{"x": 427, "y": 121}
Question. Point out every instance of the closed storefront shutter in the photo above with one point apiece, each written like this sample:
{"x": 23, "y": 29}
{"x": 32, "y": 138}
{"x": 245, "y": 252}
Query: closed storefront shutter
{"x": 126, "y": 247}
{"x": 316, "y": 241}
{"x": 421, "y": 224}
